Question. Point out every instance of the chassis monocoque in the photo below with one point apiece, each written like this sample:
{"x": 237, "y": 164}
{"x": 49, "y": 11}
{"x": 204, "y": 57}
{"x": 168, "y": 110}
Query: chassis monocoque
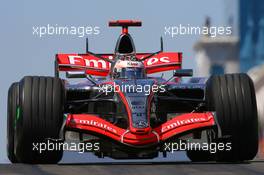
{"x": 124, "y": 113}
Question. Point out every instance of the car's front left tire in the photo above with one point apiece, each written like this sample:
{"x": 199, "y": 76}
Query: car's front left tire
{"x": 232, "y": 97}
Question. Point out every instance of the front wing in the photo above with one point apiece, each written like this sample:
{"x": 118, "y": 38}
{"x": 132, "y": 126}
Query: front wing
{"x": 176, "y": 126}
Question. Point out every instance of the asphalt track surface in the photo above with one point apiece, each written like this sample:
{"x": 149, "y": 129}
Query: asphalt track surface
{"x": 148, "y": 168}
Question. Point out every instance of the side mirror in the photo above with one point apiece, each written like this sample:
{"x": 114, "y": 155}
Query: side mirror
{"x": 76, "y": 74}
{"x": 183, "y": 73}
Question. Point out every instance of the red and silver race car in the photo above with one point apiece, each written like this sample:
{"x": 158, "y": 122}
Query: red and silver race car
{"x": 125, "y": 113}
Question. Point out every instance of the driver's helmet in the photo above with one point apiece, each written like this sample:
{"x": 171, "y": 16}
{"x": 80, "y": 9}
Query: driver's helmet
{"x": 128, "y": 67}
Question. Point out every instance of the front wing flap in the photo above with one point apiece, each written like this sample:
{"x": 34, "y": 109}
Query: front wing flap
{"x": 178, "y": 125}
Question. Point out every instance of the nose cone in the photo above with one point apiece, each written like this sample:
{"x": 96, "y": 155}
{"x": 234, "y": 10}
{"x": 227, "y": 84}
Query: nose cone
{"x": 140, "y": 130}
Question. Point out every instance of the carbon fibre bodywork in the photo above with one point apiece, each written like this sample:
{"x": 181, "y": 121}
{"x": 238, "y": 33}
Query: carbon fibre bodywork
{"x": 125, "y": 109}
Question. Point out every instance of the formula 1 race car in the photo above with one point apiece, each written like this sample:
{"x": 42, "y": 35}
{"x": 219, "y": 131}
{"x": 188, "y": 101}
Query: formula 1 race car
{"x": 124, "y": 113}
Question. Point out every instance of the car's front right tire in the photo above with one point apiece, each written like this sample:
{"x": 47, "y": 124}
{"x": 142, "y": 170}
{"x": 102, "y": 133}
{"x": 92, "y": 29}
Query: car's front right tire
{"x": 40, "y": 117}
{"x": 12, "y": 103}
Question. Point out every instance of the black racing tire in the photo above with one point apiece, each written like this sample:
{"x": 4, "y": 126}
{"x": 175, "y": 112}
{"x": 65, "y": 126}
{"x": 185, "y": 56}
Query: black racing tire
{"x": 12, "y": 103}
{"x": 41, "y": 117}
{"x": 232, "y": 97}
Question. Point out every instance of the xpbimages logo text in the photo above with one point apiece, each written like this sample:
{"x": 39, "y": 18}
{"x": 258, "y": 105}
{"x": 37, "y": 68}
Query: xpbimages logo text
{"x": 184, "y": 30}
{"x": 131, "y": 88}
{"x": 212, "y": 147}
{"x": 80, "y": 147}
{"x": 62, "y": 30}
